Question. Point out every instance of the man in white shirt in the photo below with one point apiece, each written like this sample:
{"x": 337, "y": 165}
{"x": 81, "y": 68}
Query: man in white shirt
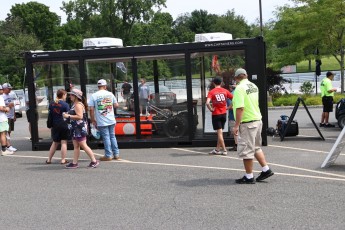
{"x": 102, "y": 105}
{"x": 11, "y": 115}
{"x": 3, "y": 125}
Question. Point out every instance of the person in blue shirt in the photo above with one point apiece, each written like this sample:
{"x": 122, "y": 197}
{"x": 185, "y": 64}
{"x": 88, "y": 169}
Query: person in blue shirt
{"x": 144, "y": 96}
{"x": 102, "y": 104}
{"x": 232, "y": 118}
{"x": 60, "y": 131}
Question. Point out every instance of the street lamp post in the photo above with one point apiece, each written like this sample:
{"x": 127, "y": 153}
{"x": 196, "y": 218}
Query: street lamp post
{"x": 260, "y": 9}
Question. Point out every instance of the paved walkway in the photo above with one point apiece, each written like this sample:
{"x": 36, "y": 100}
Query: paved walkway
{"x": 178, "y": 188}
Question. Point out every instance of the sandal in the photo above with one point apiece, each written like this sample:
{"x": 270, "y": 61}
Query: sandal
{"x": 66, "y": 162}
{"x": 48, "y": 162}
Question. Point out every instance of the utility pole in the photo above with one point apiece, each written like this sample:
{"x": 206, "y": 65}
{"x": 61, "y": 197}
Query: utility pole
{"x": 260, "y": 9}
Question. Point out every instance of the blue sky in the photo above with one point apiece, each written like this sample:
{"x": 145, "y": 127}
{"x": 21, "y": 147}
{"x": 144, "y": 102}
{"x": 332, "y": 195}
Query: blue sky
{"x": 247, "y": 8}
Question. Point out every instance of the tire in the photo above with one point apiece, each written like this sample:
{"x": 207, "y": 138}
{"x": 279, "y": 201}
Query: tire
{"x": 341, "y": 121}
{"x": 175, "y": 127}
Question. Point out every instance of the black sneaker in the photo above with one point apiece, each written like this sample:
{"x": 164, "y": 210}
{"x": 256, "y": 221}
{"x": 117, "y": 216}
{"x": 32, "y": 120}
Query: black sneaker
{"x": 264, "y": 175}
{"x": 322, "y": 125}
{"x": 233, "y": 148}
{"x": 329, "y": 125}
{"x": 93, "y": 164}
{"x": 72, "y": 166}
{"x": 245, "y": 180}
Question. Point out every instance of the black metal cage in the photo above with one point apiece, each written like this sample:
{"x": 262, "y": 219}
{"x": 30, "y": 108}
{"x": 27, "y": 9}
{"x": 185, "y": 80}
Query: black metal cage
{"x": 178, "y": 76}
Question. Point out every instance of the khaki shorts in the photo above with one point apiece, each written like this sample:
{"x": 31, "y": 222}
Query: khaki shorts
{"x": 249, "y": 139}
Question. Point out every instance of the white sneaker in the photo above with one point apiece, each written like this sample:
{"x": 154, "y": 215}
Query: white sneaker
{"x": 8, "y": 136}
{"x": 6, "y": 152}
{"x": 224, "y": 153}
{"x": 11, "y": 148}
{"x": 215, "y": 152}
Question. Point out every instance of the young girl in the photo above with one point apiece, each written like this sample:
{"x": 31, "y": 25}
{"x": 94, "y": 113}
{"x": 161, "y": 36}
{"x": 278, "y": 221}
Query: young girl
{"x": 78, "y": 126}
{"x": 60, "y": 129}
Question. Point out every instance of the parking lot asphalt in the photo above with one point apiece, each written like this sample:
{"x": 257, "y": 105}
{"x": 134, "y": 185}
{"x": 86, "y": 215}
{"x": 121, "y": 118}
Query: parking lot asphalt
{"x": 178, "y": 188}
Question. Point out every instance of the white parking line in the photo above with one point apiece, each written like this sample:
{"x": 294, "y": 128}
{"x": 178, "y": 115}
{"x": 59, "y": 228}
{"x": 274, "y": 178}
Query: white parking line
{"x": 232, "y": 169}
{"x": 300, "y": 149}
{"x": 270, "y": 163}
{"x": 342, "y": 177}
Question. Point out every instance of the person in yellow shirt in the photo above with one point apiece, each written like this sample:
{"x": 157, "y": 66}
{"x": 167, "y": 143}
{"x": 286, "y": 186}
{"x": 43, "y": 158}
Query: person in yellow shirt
{"x": 327, "y": 94}
{"x": 248, "y": 127}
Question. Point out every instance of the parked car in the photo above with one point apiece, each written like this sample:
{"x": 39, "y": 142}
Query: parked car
{"x": 21, "y": 96}
{"x": 165, "y": 99}
{"x": 18, "y": 106}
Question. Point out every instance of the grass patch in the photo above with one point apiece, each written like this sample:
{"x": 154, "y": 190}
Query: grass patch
{"x": 290, "y": 99}
{"x": 328, "y": 63}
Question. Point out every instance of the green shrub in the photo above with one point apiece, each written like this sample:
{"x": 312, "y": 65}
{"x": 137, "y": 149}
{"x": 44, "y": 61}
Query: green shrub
{"x": 306, "y": 88}
{"x": 313, "y": 101}
{"x": 309, "y": 99}
{"x": 286, "y": 100}
{"x": 337, "y": 97}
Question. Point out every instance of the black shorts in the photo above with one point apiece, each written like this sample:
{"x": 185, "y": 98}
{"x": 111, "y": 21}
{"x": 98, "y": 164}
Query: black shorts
{"x": 10, "y": 124}
{"x": 60, "y": 132}
{"x": 218, "y": 121}
{"x": 327, "y": 102}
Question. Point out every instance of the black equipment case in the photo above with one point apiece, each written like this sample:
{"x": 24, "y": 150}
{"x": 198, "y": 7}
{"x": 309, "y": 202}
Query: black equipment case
{"x": 282, "y": 124}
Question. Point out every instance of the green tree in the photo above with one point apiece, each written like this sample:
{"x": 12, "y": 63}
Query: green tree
{"x": 14, "y": 41}
{"x": 157, "y": 31}
{"x": 181, "y": 29}
{"x": 314, "y": 24}
{"x": 38, "y": 20}
{"x": 111, "y": 17}
{"x": 233, "y": 24}
{"x": 201, "y": 22}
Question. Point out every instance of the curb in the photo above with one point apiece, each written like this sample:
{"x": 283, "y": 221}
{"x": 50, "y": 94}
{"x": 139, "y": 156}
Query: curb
{"x": 291, "y": 107}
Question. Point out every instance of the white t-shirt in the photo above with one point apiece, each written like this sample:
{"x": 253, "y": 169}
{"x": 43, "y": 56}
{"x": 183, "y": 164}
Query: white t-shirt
{"x": 103, "y": 101}
{"x": 3, "y": 116}
{"x": 9, "y": 98}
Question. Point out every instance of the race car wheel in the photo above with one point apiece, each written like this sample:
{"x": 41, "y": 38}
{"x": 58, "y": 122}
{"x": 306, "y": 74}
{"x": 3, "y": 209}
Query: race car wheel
{"x": 175, "y": 127}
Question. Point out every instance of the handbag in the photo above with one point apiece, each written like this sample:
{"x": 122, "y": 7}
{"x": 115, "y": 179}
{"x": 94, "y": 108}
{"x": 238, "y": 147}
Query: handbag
{"x": 50, "y": 120}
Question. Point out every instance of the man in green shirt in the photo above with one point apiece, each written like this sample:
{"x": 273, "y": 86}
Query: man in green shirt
{"x": 248, "y": 128}
{"x": 327, "y": 93}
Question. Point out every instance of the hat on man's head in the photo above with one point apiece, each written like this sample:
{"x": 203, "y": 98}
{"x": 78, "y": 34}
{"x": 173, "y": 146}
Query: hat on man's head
{"x": 240, "y": 71}
{"x": 0, "y": 87}
{"x": 217, "y": 80}
{"x": 77, "y": 93}
{"x": 329, "y": 73}
{"x": 6, "y": 86}
{"x": 102, "y": 82}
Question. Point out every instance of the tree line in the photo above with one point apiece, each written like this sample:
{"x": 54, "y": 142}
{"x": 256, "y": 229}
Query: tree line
{"x": 308, "y": 30}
